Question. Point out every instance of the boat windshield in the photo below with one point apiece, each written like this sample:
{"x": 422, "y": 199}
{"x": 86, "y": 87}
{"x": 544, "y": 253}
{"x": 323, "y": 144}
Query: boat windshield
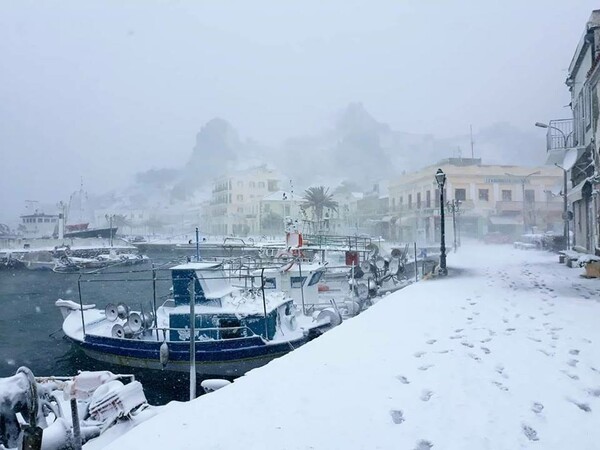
{"x": 214, "y": 283}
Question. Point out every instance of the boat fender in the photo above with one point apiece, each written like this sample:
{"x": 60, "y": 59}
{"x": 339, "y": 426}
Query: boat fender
{"x": 214, "y": 384}
{"x": 164, "y": 354}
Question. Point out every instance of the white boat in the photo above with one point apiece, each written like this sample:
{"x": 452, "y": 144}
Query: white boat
{"x": 234, "y": 330}
{"x": 92, "y": 408}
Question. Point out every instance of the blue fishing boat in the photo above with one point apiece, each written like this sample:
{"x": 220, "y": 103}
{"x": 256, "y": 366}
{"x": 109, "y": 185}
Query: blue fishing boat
{"x": 235, "y": 330}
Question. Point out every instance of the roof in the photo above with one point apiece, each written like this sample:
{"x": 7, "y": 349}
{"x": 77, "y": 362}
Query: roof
{"x": 196, "y": 266}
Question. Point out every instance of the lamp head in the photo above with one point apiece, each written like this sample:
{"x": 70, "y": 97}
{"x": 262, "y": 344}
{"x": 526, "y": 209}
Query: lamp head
{"x": 440, "y": 178}
{"x": 541, "y": 125}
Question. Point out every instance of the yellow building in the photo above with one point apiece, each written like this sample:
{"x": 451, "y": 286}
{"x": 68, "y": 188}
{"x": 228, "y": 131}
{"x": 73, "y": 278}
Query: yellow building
{"x": 511, "y": 200}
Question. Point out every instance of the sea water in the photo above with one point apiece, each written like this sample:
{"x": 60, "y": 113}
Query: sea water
{"x": 31, "y": 325}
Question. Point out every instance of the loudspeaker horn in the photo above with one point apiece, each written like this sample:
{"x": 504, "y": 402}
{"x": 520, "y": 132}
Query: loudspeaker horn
{"x": 111, "y": 312}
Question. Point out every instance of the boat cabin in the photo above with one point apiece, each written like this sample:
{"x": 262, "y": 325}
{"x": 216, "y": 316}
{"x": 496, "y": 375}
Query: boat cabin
{"x": 299, "y": 281}
{"x": 221, "y": 311}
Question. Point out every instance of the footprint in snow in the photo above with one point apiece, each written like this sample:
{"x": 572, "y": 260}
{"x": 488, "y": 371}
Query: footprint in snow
{"x": 572, "y": 376}
{"x": 593, "y": 392}
{"x": 425, "y": 367}
{"x": 457, "y": 336}
{"x": 534, "y": 339}
{"x": 444, "y": 351}
{"x": 423, "y": 445}
{"x": 500, "y": 386}
{"x": 458, "y": 330}
{"x": 467, "y": 344}
{"x": 397, "y": 416}
{"x": 418, "y": 354}
{"x": 582, "y": 406}
{"x": 545, "y": 352}
{"x": 431, "y": 341}
{"x": 530, "y": 433}
{"x": 403, "y": 379}
{"x": 500, "y": 370}
{"x": 574, "y": 352}
{"x": 426, "y": 395}
{"x": 486, "y": 350}
{"x": 572, "y": 362}
{"x": 483, "y": 341}
{"x": 474, "y": 357}
{"x": 537, "y": 407}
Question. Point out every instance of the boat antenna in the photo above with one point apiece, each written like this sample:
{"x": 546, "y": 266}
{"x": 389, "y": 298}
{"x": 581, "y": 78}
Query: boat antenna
{"x": 197, "y": 245}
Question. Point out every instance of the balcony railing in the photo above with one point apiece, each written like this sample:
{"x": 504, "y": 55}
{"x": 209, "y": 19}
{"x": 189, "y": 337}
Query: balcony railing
{"x": 560, "y": 134}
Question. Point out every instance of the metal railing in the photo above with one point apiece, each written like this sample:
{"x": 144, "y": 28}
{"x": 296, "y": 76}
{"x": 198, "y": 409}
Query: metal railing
{"x": 560, "y": 134}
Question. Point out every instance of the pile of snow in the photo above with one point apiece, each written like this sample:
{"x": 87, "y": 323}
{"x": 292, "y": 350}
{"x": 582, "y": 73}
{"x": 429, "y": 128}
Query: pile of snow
{"x": 501, "y": 354}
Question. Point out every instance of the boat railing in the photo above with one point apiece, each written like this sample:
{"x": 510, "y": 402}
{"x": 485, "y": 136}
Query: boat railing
{"x": 248, "y": 331}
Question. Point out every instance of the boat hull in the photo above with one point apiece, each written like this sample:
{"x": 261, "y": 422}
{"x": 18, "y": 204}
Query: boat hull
{"x": 105, "y": 233}
{"x": 213, "y": 358}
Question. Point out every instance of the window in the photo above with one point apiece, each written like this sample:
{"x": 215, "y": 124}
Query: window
{"x": 459, "y": 194}
{"x": 529, "y": 195}
{"x": 436, "y": 200}
{"x": 409, "y": 201}
{"x": 40, "y": 220}
{"x": 252, "y": 184}
{"x": 506, "y": 195}
{"x": 261, "y": 184}
{"x": 270, "y": 283}
{"x": 484, "y": 194}
{"x": 230, "y": 328}
{"x": 418, "y": 200}
{"x": 240, "y": 197}
{"x": 393, "y": 204}
{"x": 315, "y": 278}
{"x": 297, "y": 282}
{"x": 428, "y": 199}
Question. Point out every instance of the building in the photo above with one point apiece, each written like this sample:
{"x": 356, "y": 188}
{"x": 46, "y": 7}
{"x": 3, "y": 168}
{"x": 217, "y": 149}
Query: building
{"x": 274, "y": 208}
{"x": 512, "y": 200}
{"x": 235, "y": 202}
{"x": 38, "y": 225}
{"x": 575, "y": 141}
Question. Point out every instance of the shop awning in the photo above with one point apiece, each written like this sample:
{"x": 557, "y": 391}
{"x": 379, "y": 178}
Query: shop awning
{"x": 576, "y": 193}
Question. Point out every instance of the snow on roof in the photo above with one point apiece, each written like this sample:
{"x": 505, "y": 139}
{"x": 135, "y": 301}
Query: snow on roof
{"x": 493, "y": 356}
{"x": 195, "y": 266}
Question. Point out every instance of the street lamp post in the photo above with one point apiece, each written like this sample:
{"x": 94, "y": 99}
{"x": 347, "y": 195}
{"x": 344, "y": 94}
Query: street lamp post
{"x": 565, "y": 183}
{"x": 440, "y": 178}
{"x": 454, "y": 208}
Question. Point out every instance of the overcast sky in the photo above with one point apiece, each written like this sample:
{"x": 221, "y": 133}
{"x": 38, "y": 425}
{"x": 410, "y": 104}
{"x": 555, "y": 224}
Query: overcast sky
{"x": 102, "y": 90}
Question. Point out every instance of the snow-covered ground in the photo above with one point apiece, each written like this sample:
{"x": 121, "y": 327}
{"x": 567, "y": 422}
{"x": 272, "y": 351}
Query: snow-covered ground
{"x": 502, "y": 354}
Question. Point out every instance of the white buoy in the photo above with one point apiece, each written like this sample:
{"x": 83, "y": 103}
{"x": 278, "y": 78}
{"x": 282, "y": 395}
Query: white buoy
{"x": 214, "y": 385}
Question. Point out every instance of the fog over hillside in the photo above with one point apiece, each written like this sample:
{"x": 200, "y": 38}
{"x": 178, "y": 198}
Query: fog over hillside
{"x": 354, "y": 147}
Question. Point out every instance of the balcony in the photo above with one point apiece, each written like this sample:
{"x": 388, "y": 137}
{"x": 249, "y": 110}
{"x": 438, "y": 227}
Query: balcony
{"x": 560, "y": 134}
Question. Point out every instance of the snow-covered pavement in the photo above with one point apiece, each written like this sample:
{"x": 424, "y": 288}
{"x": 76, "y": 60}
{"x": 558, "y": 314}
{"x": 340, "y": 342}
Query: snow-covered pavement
{"x": 502, "y": 354}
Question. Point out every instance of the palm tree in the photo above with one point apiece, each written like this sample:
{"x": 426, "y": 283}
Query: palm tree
{"x": 319, "y": 198}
